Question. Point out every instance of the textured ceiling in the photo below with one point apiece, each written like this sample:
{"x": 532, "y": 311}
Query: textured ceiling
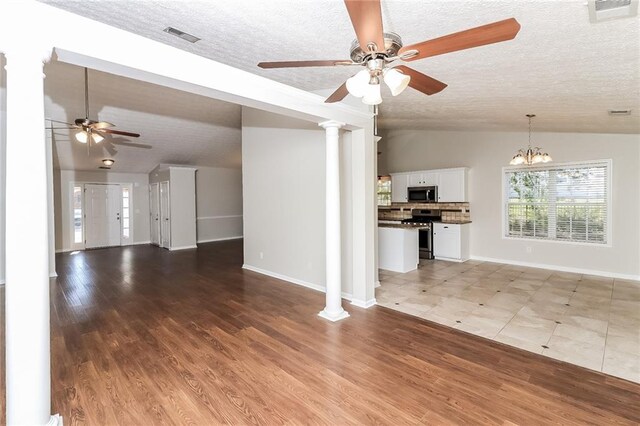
{"x": 560, "y": 67}
{"x": 175, "y": 127}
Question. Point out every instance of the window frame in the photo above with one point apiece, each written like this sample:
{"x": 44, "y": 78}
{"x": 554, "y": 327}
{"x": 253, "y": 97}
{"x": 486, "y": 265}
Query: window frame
{"x": 608, "y": 163}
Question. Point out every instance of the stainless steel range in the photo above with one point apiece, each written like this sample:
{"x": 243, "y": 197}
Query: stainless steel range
{"x": 425, "y": 218}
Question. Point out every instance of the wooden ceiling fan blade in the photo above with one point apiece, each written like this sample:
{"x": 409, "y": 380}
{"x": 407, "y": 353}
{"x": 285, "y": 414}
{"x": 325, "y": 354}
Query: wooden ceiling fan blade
{"x": 298, "y": 64}
{"x": 421, "y": 82}
{"x": 338, "y": 95}
{"x": 101, "y": 125}
{"x": 60, "y": 122}
{"x": 474, "y": 37}
{"x": 366, "y": 18}
{"x": 118, "y": 132}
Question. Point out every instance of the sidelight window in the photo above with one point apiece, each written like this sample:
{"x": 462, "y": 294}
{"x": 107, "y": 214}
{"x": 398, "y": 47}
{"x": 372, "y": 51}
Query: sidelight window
{"x": 77, "y": 214}
{"x": 126, "y": 212}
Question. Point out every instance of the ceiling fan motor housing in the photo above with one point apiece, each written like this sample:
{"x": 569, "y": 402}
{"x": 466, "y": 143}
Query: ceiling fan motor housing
{"x": 392, "y": 44}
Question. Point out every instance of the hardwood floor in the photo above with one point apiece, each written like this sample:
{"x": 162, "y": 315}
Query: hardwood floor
{"x": 141, "y": 335}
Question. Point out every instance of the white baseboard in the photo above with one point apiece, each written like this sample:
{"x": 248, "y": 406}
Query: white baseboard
{"x": 138, "y": 243}
{"x": 448, "y": 259}
{"x": 2, "y": 281}
{"x": 183, "y": 248}
{"x": 377, "y": 284}
{"x": 559, "y": 268}
{"x": 364, "y": 303}
{"x": 211, "y": 240}
{"x": 53, "y": 274}
{"x": 302, "y": 283}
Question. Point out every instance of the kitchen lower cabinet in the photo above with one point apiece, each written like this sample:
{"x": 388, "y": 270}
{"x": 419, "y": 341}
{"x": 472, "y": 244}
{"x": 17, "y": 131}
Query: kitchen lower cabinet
{"x": 398, "y": 249}
{"x": 451, "y": 241}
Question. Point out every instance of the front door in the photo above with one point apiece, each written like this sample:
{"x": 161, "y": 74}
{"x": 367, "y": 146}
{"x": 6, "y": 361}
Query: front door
{"x": 103, "y": 204}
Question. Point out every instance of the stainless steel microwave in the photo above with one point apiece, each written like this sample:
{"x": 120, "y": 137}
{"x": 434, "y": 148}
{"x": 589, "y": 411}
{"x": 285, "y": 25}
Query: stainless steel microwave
{"x": 422, "y": 194}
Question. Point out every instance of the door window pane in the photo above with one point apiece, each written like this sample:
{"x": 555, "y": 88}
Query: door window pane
{"x": 77, "y": 214}
{"x": 126, "y": 228}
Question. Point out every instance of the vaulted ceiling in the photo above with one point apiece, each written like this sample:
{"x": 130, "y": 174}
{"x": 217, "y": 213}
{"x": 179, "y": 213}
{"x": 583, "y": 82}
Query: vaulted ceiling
{"x": 561, "y": 67}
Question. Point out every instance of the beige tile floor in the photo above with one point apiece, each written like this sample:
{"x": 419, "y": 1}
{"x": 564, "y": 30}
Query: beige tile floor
{"x": 590, "y": 321}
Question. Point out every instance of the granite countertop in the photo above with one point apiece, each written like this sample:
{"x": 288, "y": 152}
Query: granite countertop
{"x": 401, "y": 225}
{"x": 453, "y": 222}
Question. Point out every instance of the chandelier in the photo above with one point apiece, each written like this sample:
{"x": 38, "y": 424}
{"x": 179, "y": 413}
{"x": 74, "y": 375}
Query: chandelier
{"x": 530, "y": 155}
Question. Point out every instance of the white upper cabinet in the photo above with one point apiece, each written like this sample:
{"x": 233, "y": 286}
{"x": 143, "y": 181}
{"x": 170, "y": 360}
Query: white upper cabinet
{"x": 451, "y": 183}
{"x": 452, "y": 187}
{"x": 399, "y": 185}
{"x": 423, "y": 179}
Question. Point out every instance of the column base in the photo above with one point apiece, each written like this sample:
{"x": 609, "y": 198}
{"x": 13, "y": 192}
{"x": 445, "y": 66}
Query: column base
{"x": 55, "y": 420}
{"x": 364, "y": 303}
{"x": 334, "y": 316}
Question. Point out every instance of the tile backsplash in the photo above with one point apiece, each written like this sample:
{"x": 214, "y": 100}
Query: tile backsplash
{"x": 451, "y": 212}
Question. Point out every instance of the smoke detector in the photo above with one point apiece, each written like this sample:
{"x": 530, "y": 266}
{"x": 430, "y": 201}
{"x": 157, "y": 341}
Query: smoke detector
{"x": 604, "y": 10}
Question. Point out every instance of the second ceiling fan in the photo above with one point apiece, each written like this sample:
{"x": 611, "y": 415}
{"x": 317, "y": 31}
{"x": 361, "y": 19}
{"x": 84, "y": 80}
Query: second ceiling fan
{"x": 92, "y": 130}
{"x": 375, "y": 50}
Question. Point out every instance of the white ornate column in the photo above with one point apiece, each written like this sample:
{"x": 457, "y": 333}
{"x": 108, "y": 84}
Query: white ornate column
{"x": 333, "y": 310}
{"x": 28, "y": 372}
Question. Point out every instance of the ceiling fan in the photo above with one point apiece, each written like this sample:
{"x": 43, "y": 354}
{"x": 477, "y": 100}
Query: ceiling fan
{"x": 375, "y": 50}
{"x": 91, "y": 130}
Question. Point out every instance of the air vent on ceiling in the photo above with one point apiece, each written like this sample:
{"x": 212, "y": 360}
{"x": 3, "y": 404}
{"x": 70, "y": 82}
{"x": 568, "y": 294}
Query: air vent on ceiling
{"x": 185, "y": 36}
{"x": 619, "y": 112}
{"x": 104, "y": 167}
{"x": 603, "y": 10}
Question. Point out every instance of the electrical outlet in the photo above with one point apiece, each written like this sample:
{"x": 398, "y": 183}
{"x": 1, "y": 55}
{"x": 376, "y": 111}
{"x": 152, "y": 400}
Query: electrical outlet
{"x": 529, "y": 249}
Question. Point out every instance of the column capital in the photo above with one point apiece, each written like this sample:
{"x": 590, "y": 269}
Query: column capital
{"x": 331, "y": 124}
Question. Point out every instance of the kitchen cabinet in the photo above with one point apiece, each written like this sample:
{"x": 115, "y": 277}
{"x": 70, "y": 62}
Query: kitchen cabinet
{"x": 398, "y": 249}
{"x": 399, "y": 185}
{"x": 451, "y": 241}
{"x": 424, "y": 179}
{"x": 451, "y": 183}
{"x": 452, "y": 186}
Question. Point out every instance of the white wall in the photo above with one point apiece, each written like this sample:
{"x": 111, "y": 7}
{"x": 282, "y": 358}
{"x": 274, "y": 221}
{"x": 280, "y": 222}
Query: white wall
{"x": 219, "y": 203}
{"x": 487, "y": 152}
{"x": 182, "y": 198}
{"x": 3, "y": 145}
{"x": 283, "y": 182}
{"x": 62, "y": 202}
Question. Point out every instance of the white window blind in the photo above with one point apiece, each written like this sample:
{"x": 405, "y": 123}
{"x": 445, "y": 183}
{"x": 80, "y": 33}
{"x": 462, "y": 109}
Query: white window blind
{"x": 563, "y": 202}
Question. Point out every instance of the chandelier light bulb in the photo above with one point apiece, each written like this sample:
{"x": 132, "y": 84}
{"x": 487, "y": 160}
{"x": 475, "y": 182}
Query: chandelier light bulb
{"x": 396, "y": 81}
{"x": 97, "y": 138}
{"x": 357, "y": 85}
{"x": 372, "y": 95}
{"x": 82, "y": 136}
{"x": 108, "y": 162}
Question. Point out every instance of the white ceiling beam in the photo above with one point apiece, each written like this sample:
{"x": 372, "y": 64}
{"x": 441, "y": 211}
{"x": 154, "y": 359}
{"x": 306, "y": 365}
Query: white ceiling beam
{"x": 84, "y": 42}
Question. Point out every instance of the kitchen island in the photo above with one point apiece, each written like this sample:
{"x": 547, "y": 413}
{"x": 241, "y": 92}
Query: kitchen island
{"x": 398, "y": 246}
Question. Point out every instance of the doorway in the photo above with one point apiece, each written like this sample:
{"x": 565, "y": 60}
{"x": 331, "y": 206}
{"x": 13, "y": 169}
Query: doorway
{"x": 154, "y": 208}
{"x": 103, "y": 206}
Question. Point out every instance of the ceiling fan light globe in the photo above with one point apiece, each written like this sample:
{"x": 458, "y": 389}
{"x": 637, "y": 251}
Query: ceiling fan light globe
{"x": 396, "y": 81}
{"x": 81, "y": 136}
{"x": 97, "y": 138}
{"x": 357, "y": 85}
{"x": 372, "y": 95}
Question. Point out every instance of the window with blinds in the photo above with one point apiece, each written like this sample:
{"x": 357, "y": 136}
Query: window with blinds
{"x": 569, "y": 202}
